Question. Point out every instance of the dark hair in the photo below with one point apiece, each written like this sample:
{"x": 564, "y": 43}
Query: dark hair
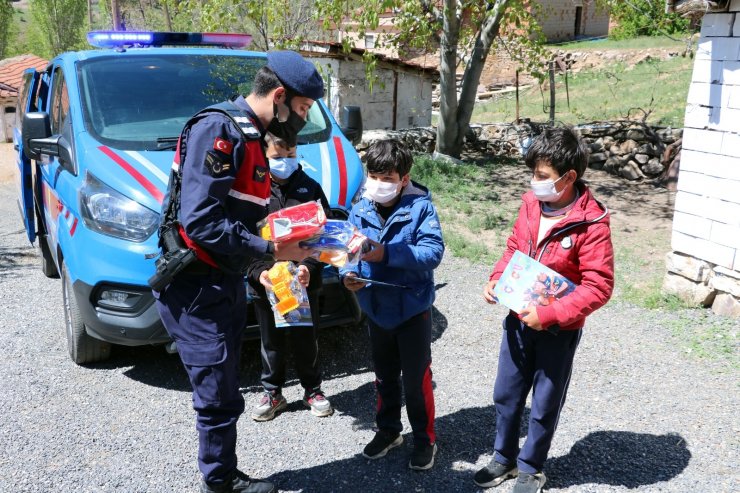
{"x": 387, "y": 156}
{"x": 265, "y": 81}
{"x": 561, "y": 148}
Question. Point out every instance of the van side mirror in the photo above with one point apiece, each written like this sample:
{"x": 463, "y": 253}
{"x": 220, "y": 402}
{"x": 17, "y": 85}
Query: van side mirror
{"x": 37, "y": 138}
{"x": 352, "y": 124}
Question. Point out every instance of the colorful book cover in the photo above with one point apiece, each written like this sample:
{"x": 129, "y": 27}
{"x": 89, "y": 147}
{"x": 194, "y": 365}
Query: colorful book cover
{"x": 526, "y": 282}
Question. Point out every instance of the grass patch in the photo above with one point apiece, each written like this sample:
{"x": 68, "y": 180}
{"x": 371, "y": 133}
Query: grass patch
{"x": 658, "y": 85}
{"x": 475, "y": 220}
{"x": 639, "y": 43}
{"x": 706, "y": 336}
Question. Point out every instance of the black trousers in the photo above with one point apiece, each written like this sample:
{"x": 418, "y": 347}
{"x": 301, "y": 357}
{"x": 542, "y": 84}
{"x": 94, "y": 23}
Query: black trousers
{"x": 205, "y": 315}
{"x": 404, "y": 354}
{"x": 276, "y": 342}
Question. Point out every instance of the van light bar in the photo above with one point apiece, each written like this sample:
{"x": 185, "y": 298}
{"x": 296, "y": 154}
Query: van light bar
{"x": 114, "y": 39}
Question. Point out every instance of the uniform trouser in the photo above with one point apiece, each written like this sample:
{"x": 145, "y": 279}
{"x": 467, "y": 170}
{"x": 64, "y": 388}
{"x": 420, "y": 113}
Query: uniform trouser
{"x": 538, "y": 360}
{"x": 275, "y": 343}
{"x": 206, "y": 315}
{"x": 405, "y": 352}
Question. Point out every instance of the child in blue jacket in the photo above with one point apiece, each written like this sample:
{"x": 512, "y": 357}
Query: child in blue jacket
{"x": 403, "y": 230}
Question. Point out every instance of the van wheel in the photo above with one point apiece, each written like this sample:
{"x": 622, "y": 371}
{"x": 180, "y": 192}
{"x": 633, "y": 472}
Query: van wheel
{"x": 82, "y": 347}
{"x": 48, "y": 267}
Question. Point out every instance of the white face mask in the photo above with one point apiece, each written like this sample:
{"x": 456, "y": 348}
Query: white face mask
{"x": 545, "y": 190}
{"x": 282, "y": 167}
{"x": 380, "y": 192}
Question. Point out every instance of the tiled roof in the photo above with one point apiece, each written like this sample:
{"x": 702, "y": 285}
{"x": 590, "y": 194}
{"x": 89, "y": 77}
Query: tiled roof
{"x": 11, "y": 72}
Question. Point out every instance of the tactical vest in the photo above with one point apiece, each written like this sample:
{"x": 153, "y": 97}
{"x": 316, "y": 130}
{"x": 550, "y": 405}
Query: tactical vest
{"x": 244, "y": 186}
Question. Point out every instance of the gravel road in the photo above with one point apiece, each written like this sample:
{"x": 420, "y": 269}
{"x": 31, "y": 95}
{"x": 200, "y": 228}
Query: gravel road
{"x": 641, "y": 414}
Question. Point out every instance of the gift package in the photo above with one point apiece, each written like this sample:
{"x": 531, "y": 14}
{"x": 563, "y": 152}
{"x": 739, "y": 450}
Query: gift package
{"x": 336, "y": 242}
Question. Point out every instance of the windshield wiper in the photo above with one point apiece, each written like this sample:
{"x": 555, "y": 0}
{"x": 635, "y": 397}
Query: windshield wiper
{"x": 167, "y": 143}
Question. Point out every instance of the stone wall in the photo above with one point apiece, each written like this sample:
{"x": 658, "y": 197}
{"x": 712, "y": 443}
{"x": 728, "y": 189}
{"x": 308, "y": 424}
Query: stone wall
{"x": 628, "y": 149}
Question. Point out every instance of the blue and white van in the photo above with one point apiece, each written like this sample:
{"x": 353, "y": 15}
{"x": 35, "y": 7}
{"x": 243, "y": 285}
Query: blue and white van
{"x": 95, "y": 135}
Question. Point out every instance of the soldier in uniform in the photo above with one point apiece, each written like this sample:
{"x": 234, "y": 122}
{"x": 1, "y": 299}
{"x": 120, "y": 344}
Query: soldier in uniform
{"x": 219, "y": 188}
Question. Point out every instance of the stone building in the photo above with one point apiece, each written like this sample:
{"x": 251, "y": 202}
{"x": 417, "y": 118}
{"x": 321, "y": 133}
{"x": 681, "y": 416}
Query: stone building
{"x": 704, "y": 267}
{"x": 401, "y": 95}
{"x": 11, "y": 79}
{"x": 564, "y": 20}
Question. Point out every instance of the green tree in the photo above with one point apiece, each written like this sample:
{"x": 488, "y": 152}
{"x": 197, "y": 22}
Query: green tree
{"x": 644, "y": 18}
{"x": 6, "y": 20}
{"x": 465, "y": 32}
{"x": 60, "y": 23}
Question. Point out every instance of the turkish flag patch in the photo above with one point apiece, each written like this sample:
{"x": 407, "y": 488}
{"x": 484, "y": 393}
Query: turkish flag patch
{"x": 223, "y": 145}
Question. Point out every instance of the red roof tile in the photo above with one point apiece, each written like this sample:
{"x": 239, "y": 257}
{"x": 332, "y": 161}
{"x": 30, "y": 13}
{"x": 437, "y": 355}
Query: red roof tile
{"x": 11, "y": 72}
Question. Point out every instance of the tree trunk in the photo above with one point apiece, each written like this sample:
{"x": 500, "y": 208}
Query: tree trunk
{"x": 451, "y": 135}
{"x": 167, "y": 18}
{"x": 447, "y": 128}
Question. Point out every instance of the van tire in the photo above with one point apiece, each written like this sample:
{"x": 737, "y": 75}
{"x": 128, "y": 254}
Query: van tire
{"x": 82, "y": 347}
{"x": 48, "y": 267}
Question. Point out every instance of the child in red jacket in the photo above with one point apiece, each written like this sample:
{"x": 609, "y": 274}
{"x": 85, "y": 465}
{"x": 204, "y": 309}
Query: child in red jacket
{"x": 561, "y": 225}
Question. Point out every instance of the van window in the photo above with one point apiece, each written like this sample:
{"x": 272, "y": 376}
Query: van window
{"x": 131, "y": 101}
{"x": 20, "y": 108}
{"x": 59, "y": 102}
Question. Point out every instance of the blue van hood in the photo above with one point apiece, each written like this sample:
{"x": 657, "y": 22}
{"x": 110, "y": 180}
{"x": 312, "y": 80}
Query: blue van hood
{"x": 143, "y": 175}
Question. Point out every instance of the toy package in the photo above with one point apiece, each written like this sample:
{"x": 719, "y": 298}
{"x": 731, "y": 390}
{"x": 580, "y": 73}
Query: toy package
{"x": 339, "y": 243}
{"x": 299, "y": 222}
{"x": 526, "y": 282}
{"x": 287, "y": 293}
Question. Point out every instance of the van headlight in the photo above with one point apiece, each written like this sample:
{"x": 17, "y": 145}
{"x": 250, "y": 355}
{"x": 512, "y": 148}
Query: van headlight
{"x": 107, "y": 211}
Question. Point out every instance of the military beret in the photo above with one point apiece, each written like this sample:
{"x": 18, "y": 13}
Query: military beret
{"x": 297, "y": 73}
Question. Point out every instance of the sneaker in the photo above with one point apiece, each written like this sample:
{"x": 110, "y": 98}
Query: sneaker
{"x": 381, "y": 444}
{"x": 318, "y": 403}
{"x": 270, "y": 404}
{"x": 494, "y": 474}
{"x": 529, "y": 483}
{"x": 422, "y": 458}
{"x": 239, "y": 483}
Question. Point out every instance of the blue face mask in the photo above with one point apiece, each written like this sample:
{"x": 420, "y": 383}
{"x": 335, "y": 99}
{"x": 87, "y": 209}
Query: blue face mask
{"x": 282, "y": 167}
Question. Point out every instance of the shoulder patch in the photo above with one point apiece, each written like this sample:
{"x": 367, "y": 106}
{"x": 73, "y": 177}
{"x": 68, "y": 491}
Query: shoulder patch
{"x": 215, "y": 165}
{"x": 260, "y": 174}
{"x": 247, "y": 127}
{"x": 223, "y": 145}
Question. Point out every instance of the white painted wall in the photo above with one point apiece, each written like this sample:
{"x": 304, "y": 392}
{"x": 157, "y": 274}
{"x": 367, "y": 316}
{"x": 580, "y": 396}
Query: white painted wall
{"x": 706, "y": 222}
{"x": 348, "y": 86}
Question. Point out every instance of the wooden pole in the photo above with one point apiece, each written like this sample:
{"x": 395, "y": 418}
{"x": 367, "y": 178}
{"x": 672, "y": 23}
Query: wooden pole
{"x": 517, "y": 97}
{"x": 552, "y": 92}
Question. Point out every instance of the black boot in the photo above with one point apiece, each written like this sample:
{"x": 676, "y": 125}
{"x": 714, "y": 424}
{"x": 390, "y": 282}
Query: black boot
{"x": 238, "y": 483}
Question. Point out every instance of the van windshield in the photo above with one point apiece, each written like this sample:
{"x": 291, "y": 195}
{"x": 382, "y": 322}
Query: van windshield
{"x": 141, "y": 102}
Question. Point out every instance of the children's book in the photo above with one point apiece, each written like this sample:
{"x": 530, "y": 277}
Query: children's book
{"x": 526, "y": 282}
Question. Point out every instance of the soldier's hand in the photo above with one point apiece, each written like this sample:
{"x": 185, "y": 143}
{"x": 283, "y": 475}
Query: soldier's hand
{"x": 291, "y": 250}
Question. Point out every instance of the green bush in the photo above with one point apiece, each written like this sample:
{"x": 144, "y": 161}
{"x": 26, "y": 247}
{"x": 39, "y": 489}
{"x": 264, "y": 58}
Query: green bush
{"x": 645, "y": 18}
